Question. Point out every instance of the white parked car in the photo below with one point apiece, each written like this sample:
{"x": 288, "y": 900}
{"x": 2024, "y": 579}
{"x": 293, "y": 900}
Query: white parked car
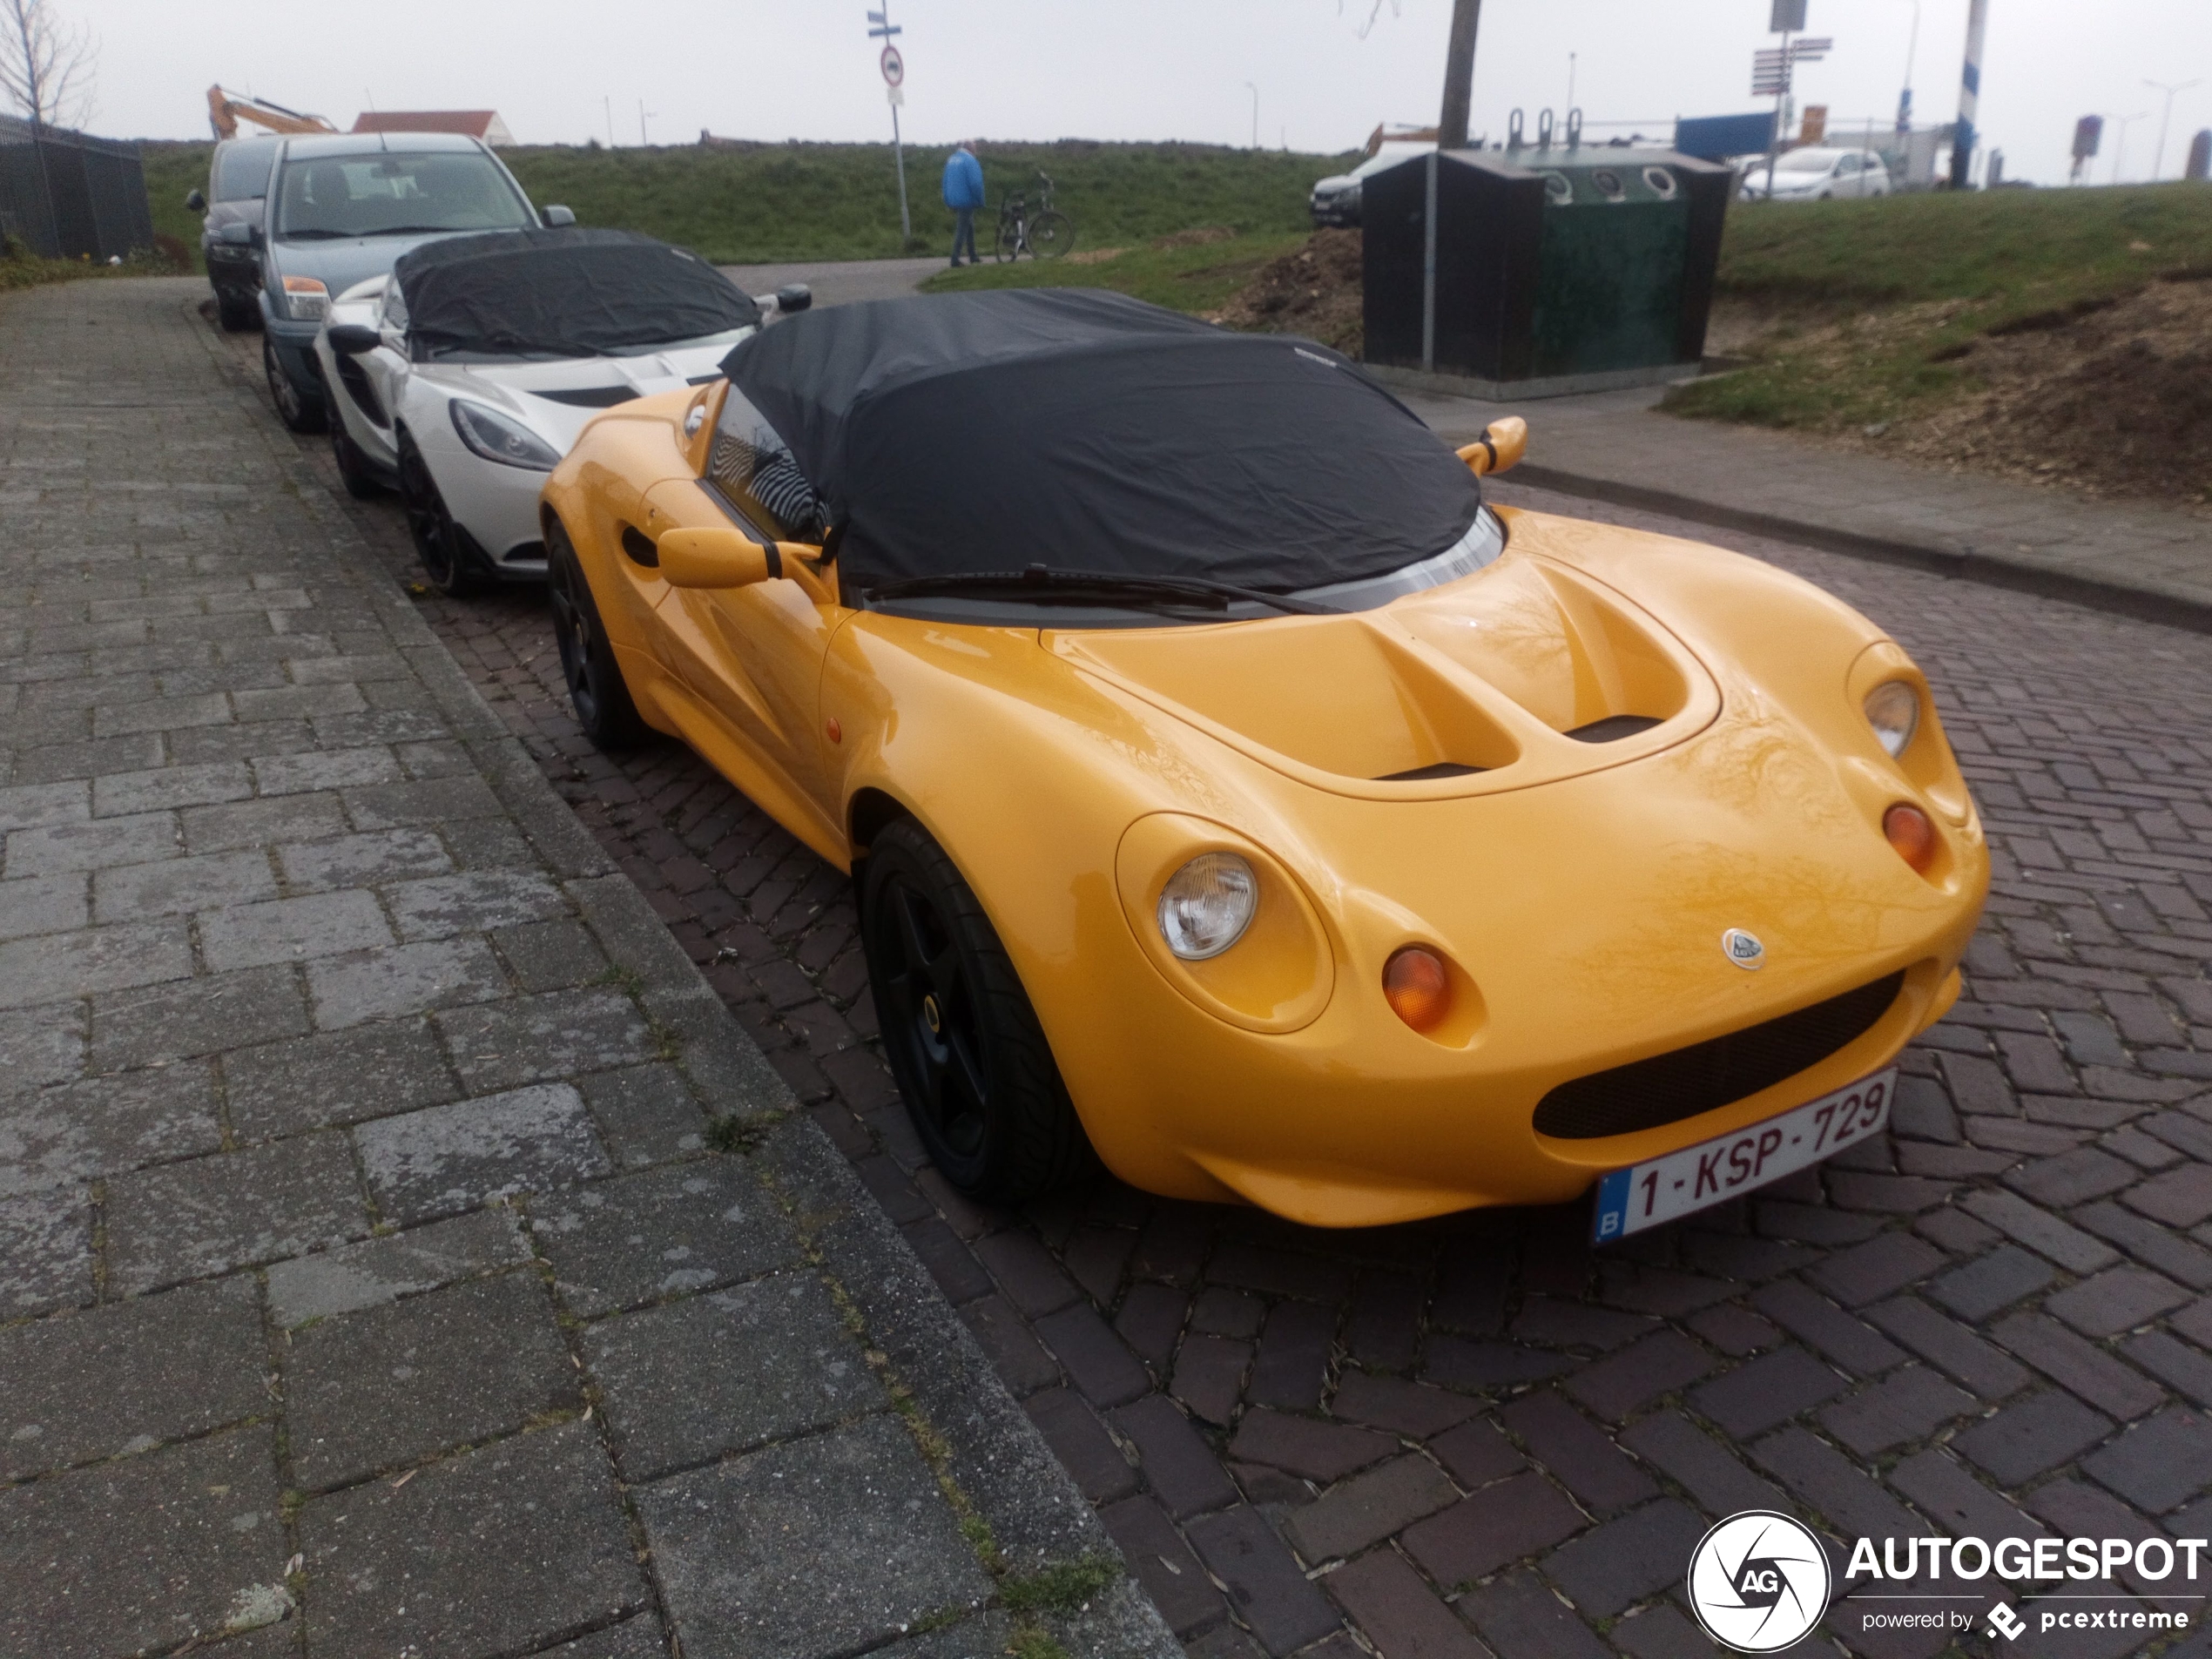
{"x": 1336, "y": 198}
{"x": 1816, "y": 174}
{"x": 461, "y": 379}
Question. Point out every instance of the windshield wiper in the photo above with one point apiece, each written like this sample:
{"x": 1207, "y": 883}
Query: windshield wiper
{"x": 1043, "y": 585}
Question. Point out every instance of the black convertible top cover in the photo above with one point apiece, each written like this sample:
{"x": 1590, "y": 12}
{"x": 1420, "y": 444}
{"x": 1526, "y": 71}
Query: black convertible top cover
{"x": 1087, "y": 431}
{"x": 570, "y": 293}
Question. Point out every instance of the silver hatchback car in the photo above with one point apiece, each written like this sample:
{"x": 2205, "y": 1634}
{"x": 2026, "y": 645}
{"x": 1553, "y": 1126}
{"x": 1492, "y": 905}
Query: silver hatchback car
{"x": 341, "y": 209}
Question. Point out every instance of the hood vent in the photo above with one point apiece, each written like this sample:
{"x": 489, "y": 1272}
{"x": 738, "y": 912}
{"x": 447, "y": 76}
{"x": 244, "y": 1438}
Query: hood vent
{"x": 585, "y": 397}
{"x": 1612, "y": 728}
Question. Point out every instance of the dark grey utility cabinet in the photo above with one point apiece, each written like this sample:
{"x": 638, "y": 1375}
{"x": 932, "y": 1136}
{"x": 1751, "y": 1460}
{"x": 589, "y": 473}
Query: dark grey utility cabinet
{"x": 1565, "y": 267}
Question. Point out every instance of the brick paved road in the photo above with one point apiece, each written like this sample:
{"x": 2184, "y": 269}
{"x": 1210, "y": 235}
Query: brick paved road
{"x": 402, "y": 1251}
{"x": 1477, "y": 1433}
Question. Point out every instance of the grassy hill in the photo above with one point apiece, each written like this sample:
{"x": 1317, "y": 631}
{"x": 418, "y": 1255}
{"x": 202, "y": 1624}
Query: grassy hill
{"x": 1873, "y": 309}
{"x": 757, "y": 203}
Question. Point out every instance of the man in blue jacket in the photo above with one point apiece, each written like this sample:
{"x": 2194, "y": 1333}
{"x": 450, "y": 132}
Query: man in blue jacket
{"x": 964, "y": 194}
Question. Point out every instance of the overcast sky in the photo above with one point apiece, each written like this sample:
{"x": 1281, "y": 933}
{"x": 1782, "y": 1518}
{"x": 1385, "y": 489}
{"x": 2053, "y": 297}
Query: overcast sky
{"x": 1137, "y": 69}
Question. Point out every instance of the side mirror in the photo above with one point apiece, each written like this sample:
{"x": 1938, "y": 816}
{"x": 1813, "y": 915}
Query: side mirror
{"x": 351, "y": 339}
{"x": 1502, "y": 444}
{"x": 793, "y": 297}
{"x": 716, "y": 558}
{"x": 558, "y": 218}
{"x": 237, "y": 233}
{"x": 196, "y": 202}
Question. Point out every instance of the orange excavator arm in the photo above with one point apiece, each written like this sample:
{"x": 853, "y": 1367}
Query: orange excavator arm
{"x": 225, "y": 112}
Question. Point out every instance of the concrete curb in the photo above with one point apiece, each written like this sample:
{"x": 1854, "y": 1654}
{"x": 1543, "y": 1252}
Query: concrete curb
{"x": 993, "y": 1454}
{"x": 2143, "y": 601}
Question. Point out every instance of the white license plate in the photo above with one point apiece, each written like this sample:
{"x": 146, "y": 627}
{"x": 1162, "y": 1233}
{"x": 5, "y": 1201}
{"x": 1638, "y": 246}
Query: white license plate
{"x": 1714, "y": 1171}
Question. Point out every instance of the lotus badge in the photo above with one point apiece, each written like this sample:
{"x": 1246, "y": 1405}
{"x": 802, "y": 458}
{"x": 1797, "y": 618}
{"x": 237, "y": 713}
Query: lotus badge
{"x": 1744, "y": 948}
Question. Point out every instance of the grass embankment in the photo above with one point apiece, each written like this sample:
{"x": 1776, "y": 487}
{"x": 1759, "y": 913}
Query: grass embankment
{"x": 1867, "y": 313}
{"x": 762, "y": 203}
{"x": 1197, "y": 273}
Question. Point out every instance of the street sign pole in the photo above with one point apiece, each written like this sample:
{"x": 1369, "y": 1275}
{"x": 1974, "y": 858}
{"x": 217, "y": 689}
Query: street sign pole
{"x": 899, "y": 154}
{"x": 894, "y": 75}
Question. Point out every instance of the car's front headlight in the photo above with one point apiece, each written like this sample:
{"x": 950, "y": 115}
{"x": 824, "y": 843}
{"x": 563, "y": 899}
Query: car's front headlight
{"x": 306, "y": 299}
{"x": 492, "y": 435}
{"x": 1207, "y": 905}
{"x": 1893, "y": 710}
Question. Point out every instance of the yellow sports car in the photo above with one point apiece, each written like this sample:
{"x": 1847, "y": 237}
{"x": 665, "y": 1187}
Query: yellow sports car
{"x": 1231, "y": 790}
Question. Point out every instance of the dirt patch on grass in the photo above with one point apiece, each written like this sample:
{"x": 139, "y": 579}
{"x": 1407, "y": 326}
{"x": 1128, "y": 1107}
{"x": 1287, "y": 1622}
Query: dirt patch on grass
{"x": 1199, "y": 237}
{"x": 2103, "y": 395}
{"x": 2110, "y": 399}
{"x": 1314, "y": 291}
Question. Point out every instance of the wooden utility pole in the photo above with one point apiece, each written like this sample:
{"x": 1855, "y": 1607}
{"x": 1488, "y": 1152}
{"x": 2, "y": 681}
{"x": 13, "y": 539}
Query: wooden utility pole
{"x": 1458, "y": 76}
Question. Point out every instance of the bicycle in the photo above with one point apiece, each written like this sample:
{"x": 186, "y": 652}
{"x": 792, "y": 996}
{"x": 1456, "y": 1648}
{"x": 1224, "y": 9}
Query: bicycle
{"x": 1048, "y": 234}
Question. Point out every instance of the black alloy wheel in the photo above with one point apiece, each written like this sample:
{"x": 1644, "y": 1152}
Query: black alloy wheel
{"x": 601, "y": 697}
{"x": 964, "y": 1043}
{"x": 293, "y": 407}
{"x": 437, "y": 539}
{"x": 352, "y": 466}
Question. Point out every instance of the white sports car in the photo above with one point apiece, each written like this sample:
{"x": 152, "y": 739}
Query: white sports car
{"x": 461, "y": 379}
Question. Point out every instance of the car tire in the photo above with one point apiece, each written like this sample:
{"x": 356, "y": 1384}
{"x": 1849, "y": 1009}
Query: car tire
{"x": 597, "y": 691}
{"x": 437, "y": 539}
{"x": 352, "y": 466}
{"x": 963, "y": 1041}
{"x": 293, "y": 407}
{"x": 236, "y": 316}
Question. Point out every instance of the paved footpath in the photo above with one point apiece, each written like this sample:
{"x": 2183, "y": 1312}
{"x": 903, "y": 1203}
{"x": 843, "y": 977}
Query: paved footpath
{"x": 402, "y": 1250}
{"x": 1476, "y": 1435}
{"x": 2138, "y": 558}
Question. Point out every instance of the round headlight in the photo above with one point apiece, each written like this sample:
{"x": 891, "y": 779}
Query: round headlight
{"x": 1893, "y": 710}
{"x": 1207, "y": 905}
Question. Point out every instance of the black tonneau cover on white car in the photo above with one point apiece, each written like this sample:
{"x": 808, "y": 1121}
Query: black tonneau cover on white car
{"x": 570, "y": 293}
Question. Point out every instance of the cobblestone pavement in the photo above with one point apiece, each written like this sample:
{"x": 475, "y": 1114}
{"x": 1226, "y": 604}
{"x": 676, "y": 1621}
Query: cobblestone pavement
{"x": 402, "y": 1251}
{"x": 1477, "y": 1434}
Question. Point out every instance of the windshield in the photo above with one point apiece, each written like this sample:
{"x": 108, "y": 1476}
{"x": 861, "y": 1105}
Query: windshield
{"x": 242, "y": 168}
{"x": 1389, "y": 157}
{"x": 390, "y": 195}
{"x": 1807, "y": 161}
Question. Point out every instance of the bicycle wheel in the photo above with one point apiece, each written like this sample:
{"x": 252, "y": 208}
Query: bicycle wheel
{"x": 1051, "y": 237}
{"x": 1009, "y": 244}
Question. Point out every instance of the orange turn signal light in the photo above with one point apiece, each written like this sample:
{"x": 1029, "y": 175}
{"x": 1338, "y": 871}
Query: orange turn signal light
{"x": 1417, "y": 987}
{"x": 1909, "y": 831}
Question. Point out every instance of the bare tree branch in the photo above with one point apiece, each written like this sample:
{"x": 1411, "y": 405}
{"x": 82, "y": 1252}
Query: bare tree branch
{"x": 1374, "y": 12}
{"x": 45, "y": 66}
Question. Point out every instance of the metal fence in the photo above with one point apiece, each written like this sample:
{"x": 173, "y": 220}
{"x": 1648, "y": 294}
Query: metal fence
{"x": 67, "y": 195}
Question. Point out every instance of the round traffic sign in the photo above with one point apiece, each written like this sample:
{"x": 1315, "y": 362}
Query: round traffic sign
{"x": 894, "y": 67}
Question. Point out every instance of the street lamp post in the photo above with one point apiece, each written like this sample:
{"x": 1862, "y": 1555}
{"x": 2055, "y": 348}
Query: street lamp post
{"x": 1254, "y": 91}
{"x": 2120, "y": 152}
{"x": 1911, "y": 50}
{"x": 2158, "y": 165}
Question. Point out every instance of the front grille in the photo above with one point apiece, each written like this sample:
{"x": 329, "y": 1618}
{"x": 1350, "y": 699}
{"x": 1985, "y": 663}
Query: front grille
{"x": 1667, "y": 1087}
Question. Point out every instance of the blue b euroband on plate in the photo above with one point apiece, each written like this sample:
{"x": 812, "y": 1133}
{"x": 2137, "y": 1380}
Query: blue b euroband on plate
{"x": 1714, "y": 1171}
